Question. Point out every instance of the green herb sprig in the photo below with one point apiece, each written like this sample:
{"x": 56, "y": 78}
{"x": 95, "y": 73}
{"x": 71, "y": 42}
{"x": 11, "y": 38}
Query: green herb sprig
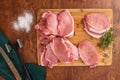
{"x": 106, "y": 39}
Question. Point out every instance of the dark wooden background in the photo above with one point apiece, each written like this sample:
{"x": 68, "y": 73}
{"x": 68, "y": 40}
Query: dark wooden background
{"x": 11, "y": 9}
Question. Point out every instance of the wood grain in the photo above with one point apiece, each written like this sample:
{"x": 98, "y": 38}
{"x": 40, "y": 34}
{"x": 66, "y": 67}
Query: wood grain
{"x": 81, "y": 35}
{"x": 1, "y": 78}
{"x": 9, "y": 11}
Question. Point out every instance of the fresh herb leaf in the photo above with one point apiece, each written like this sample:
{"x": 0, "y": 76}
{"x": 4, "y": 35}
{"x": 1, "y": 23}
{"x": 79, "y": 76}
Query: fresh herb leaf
{"x": 106, "y": 39}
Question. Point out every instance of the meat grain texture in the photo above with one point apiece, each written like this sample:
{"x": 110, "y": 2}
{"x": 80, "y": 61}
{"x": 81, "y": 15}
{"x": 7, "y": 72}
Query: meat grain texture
{"x": 55, "y": 27}
{"x": 88, "y": 53}
{"x": 96, "y": 24}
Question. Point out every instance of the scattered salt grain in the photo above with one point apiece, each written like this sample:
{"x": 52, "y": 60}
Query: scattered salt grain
{"x": 23, "y": 22}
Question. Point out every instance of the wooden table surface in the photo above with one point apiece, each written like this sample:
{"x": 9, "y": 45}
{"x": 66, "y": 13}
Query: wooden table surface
{"x": 11, "y": 9}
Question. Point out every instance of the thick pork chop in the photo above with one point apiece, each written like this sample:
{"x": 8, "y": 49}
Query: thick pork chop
{"x": 61, "y": 50}
{"x": 65, "y": 24}
{"x": 50, "y": 57}
{"x": 47, "y": 56}
{"x": 48, "y": 23}
{"x": 73, "y": 49}
{"x": 88, "y": 53}
{"x": 93, "y": 34}
{"x": 98, "y": 22}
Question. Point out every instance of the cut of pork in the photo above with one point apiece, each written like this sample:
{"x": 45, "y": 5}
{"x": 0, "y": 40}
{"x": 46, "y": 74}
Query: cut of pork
{"x": 88, "y": 27}
{"x": 48, "y": 23}
{"x": 50, "y": 57}
{"x": 45, "y": 39}
{"x": 65, "y": 24}
{"x": 61, "y": 50}
{"x": 93, "y": 34}
{"x": 98, "y": 22}
{"x": 88, "y": 53}
{"x": 73, "y": 49}
{"x": 57, "y": 23}
{"x": 44, "y": 62}
{"x": 47, "y": 57}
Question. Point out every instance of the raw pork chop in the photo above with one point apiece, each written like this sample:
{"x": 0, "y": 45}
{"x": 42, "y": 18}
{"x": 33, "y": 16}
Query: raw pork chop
{"x": 73, "y": 48}
{"x": 44, "y": 62}
{"x": 88, "y": 53}
{"x": 45, "y": 39}
{"x": 65, "y": 24}
{"x": 53, "y": 28}
{"x": 96, "y": 24}
{"x": 98, "y": 21}
{"x": 93, "y": 34}
{"x": 48, "y": 23}
{"x": 48, "y": 58}
{"x": 61, "y": 50}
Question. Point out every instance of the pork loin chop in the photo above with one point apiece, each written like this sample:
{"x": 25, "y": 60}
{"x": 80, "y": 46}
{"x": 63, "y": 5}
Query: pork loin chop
{"x": 88, "y": 53}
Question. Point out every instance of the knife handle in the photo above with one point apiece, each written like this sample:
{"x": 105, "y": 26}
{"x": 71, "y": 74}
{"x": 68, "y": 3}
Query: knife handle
{"x": 14, "y": 70}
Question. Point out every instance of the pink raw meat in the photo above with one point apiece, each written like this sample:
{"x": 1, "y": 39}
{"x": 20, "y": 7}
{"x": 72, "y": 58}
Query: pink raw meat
{"x": 65, "y": 24}
{"x": 88, "y": 27}
{"x": 97, "y": 22}
{"x": 73, "y": 48}
{"x": 44, "y": 62}
{"x": 88, "y": 53}
{"x": 48, "y": 23}
{"x": 46, "y": 39}
{"x": 47, "y": 56}
{"x": 93, "y": 34}
{"x": 50, "y": 57}
{"x": 61, "y": 50}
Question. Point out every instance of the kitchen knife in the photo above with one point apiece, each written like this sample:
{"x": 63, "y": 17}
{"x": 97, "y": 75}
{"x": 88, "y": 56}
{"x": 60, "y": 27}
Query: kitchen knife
{"x": 10, "y": 64}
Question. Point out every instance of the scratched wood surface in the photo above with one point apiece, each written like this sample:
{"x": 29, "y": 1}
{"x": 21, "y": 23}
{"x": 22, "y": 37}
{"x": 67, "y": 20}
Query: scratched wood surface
{"x": 11, "y": 9}
{"x": 105, "y": 55}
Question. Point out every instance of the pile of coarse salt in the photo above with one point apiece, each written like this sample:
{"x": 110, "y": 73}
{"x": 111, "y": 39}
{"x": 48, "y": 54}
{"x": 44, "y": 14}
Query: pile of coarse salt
{"x": 23, "y": 22}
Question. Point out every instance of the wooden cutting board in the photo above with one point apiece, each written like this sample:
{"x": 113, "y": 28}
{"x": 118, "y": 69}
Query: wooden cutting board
{"x": 105, "y": 55}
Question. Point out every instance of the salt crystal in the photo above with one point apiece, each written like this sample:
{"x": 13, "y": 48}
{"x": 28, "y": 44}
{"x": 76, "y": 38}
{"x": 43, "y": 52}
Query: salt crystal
{"x": 23, "y": 22}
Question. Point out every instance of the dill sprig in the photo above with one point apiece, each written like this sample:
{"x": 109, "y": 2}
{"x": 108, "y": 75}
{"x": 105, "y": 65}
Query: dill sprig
{"x": 106, "y": 39}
